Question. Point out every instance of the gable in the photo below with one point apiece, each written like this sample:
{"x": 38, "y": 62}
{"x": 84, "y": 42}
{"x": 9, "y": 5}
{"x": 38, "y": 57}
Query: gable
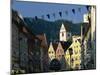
{"x": 62, "y": 29}
{"x": 66, "y": 45}
{"x": 60, "y": 49}
{"x": 51, "y": 48}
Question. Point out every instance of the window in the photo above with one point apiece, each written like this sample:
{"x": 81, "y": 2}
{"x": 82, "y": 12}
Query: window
{"x": 70, "y": 51}
{"x": 62, "y": 34}
{"x": 76, "y": 58}
{"x": 76, "y": 51}
{"x": 76, "y": 41}
{"x": 52, "y": 52}
{"x": 62, "y": 55}
{"x": 59, "y": 55}
{"x": 74, "y": 46}
{"x": 77, "y": 66}
{"x": 72, "y": 60}
{"x": 49, "y": 52}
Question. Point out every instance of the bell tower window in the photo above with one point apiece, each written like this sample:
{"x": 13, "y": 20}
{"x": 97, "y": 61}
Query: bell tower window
{"x": 62, "y": 34}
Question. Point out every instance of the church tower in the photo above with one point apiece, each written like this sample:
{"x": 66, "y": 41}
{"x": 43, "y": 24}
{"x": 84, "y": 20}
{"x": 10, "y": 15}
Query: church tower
{"x": 62, "y": 34}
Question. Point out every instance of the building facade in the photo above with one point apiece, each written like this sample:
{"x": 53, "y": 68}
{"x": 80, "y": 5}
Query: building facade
{"x": 73, "y": 54}
{"x": 89, "y": 39}
{"x": 64, "y": 35}
{"x": 51, "y": 52}
{"x": 59, "y": 52}
{"x": 26, "y": 54}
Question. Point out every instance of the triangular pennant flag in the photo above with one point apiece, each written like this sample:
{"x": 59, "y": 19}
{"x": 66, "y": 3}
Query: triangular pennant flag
{"x": 73, "y": 10}
{"x": 60, "y": 13}
{"x": 87, "y": 7}
{"x": 48, "y": 16}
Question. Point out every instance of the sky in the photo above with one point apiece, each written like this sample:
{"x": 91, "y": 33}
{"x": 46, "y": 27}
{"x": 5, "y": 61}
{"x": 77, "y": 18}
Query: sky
{"x": 32, "y": 9}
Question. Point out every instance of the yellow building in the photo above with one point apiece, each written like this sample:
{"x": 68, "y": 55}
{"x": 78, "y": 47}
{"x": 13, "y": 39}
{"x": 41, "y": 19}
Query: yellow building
{"x": 51, "y": 52}
{"x": 73, "y": 53}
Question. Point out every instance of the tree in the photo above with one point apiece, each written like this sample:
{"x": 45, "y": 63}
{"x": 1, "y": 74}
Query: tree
{"x": 36, "y": 18}
{"x": 55, "y": 65}
{"x": 64, "y": 66}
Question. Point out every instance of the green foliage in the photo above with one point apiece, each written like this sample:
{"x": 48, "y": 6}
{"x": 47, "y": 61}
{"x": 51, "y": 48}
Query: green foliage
{"x": 50, "y": 28}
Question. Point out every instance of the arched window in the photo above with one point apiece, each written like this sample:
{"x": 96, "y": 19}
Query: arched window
{"x": 62, "y": 34}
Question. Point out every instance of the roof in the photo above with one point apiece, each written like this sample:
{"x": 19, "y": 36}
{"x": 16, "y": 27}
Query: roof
{"x": 79, "y": 40}
{"x": 66, "y": 45}
{"x": 42, "y": 37}
{"x": 55, "y": 45}
{"x": 21, "y": 24}
{"x": 62, "y": 27}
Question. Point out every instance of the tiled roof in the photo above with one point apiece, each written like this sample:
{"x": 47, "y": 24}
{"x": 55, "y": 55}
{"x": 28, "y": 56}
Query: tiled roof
{"x": 43, "y": 40}
{"x": 66, "y": 45}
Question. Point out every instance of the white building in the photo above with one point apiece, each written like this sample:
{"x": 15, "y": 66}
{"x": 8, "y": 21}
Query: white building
{"x": 64, "y": 35}
{"x": 85, "y": 18}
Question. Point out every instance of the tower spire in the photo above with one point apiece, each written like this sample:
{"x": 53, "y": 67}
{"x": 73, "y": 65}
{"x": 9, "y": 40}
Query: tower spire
{"x": 62, "y": 33}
